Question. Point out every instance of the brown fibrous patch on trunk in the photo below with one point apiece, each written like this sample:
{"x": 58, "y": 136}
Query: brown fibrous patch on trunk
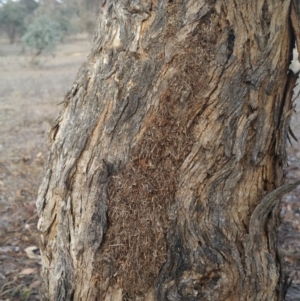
{"x": 141, "y": 194}
{"x": 139, "y": 198}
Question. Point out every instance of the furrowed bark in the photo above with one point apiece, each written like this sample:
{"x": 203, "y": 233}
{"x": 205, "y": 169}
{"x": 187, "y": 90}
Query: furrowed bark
{"x": 163, "y": 162}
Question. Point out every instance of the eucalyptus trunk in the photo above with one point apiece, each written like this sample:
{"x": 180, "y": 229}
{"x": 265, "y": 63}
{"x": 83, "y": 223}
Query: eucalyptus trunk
{"x": 167, "y": 161}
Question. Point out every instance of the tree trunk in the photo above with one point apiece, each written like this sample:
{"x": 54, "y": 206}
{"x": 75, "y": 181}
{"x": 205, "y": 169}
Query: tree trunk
{"x": 163, "y": 162}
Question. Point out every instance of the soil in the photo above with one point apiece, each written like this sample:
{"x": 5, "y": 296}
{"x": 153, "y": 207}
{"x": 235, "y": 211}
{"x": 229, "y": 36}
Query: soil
{"x": 29, "y": 98}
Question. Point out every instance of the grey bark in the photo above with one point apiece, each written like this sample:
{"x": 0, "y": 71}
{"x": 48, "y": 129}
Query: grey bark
{"x": 163, "y": 162}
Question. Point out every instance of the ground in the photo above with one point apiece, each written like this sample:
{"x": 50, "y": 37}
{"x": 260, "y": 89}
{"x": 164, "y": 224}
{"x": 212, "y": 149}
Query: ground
{"x": 29, "y": 98}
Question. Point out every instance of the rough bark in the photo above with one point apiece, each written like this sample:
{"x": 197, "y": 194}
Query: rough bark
{"x": 163, "y": 162}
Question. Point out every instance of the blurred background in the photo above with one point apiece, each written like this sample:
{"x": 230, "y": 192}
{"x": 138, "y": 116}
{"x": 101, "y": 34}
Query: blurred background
{"x": 42, "y": 46}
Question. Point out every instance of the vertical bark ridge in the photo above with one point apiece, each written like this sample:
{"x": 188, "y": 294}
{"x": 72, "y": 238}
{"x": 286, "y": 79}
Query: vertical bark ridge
{"x": 209, "y": 258}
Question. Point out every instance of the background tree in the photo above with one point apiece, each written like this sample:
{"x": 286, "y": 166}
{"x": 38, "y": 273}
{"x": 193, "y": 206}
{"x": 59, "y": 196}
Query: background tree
{"x": 41, "y": 37}
{"x": 29, "y": 5}
{"x": 12, "y": 16}
{"x": 72, "y": 16}
{"x": 166, "y": 167}
{"x": 57, "y": 12}
{"x": 86, "y": 11}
